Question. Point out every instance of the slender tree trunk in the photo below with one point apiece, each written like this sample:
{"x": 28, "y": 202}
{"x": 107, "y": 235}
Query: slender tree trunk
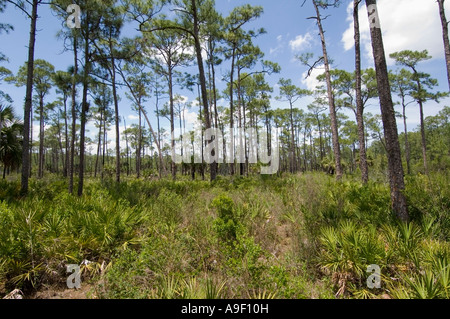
{"x": 138, "y": 152}
{"x": 127, "y": 150}
{"x": 41, "y": 138}
{"x": 423, "y": 136}
{"x": 116, "y": 112}
{"x": 66, "y": 135}
{"x": 214, "y": 93}
{"x": 105, "y": 139}
{"x": 396, "y": 178}
{"x": 84, "y": 109}
{"x": 445, "y": 36}
{"x": 305, "y": 155}
{"x": 28, "y": 100}
{"x": 198, "y": 51}
{"x": 359, "y": 101}
{"x": 241, "y": 165}
{"x": 232, "y": 112}
{"x": 60, "y": 147}
{"x": 160, "y": 166}
{"x": 292, "y": 150}
{"x": 407, "y": 146}
{"x": 74, "y": 116}
{"x": 99, "y": 142}
{"x": 331, "y": 102}
{"x": 172, "y": 119}
{"x": 321, "y": 147}
{"x": 31, "y": 141}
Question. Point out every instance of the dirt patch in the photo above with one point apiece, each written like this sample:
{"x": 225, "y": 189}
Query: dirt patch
{"x": 85, "y": 292}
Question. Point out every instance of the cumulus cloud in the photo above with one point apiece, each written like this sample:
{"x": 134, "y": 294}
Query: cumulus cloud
{"x": 301, "y": 42}
{"x": 311, "y": 82}
{"x": 406, "y": 24}
{"x": 190, "y": 117}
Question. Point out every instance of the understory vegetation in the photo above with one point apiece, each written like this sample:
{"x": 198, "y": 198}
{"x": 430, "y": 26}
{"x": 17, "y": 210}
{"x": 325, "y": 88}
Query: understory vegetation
{"x": 295, "y": 236}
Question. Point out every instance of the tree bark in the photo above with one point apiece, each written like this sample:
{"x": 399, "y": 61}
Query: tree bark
{"x": 41, "y": 138}
{"x": 232, "y": 112}
{"x": 396, "y": 178}
{"x": 292, "y": 148}
{"x": 445, "y": 37}
{"x": 99, "y": 141}
{"x": 127, "y": 150}
{"x": 84, "y": 108}
{"x": 31, "y": 142}
{"x": 172, "y": 118}
{"x": 201, "y": 69}
{"x": 74, "y": 115}
{"x": 331, "y": 102}
{"x": 66, "y": 135}
{"x": 105, "y": 139}
{"x": 407, "y": 146}
{"x": 423, "y": 136}
{"x": 28, "y": 100}
{"x": 160, "y": 166}
{"x": 359, "y": 101}
{"x": 138, "y": 151}
{"x": 116, "y": 112}
{"x": 422, "y": 124}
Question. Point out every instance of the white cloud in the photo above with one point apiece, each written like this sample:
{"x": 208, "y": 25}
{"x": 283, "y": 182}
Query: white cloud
{"x": 301, "y": 42}
{"x": 311, "y": 82}
{"x": 280, "y": 46}
{"x": 133, "y": 117}
{"x": 406, "y": 24}
{"x": 190, "y": 117}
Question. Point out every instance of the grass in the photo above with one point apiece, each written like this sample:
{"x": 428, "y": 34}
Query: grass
{"x": 299, "y": 236}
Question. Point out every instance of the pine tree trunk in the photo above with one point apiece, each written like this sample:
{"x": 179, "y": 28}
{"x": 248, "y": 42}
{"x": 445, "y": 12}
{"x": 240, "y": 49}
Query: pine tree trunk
{"x": 407, "y": 146}
{"x": 66, "y": 135}
{"x": 41, "y": 138}
{"x": 331, "y": 102}
{"x": 172, "y": 120}
{"x": 116, "y": 112}
{"x": 445, "y": 36}
{"x": 28, "y": 102}
{"x": 423, "y": 137}
{"x": 160, "y": 166}
{"x": 127, "y": 149}
{"x": 292, "y": 150}
{"x": 232, "y": 113}
{"x": 241, "y": 165}
{"x": 216, "y": 119}
{"x": 359, "y": 101}
{"x": 84, "y": 109}
{"x": 31, "y": 142}
{"x": 105, "y": 139}
{"x": 198, "y": 51}
{"x": 99, "y": 142}
{"x": 138, "y": 152}
{"x": 74, "y": 116}
{"x": 396, "y": 178}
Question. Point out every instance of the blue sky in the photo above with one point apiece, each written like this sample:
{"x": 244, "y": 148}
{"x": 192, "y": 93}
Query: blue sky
{"x": 406, "y": 24}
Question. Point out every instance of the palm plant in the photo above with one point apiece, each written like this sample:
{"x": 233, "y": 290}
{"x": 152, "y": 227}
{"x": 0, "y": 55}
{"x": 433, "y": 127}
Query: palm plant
{"x": 10, "y": 139}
